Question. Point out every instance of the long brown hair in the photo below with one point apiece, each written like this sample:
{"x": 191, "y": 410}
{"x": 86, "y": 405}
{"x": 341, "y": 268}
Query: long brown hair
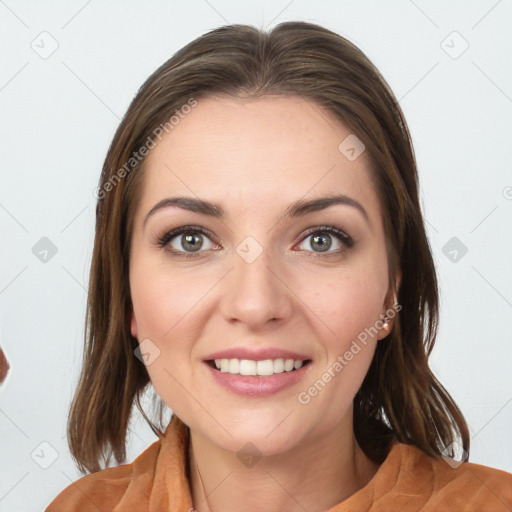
{"x": 400, "y": 398}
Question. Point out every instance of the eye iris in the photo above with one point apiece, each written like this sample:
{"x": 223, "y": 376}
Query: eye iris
{"x": 322, "y": 246}
{"x": 187, "y": 241}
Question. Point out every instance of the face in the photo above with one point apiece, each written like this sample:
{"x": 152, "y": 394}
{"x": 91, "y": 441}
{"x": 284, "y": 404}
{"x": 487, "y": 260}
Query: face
{"x": 257, "y": 278}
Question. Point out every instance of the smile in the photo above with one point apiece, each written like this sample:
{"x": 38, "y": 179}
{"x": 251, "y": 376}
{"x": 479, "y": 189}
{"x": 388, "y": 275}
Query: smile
{"x": 245, "y": 380}
{"x": 262, "y": 368}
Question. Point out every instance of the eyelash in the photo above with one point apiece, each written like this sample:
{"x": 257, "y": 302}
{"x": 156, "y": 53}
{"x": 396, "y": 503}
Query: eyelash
{"x": 347, "y": 240}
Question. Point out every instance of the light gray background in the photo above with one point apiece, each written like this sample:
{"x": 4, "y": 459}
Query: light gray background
{"x": 58, "y": 116}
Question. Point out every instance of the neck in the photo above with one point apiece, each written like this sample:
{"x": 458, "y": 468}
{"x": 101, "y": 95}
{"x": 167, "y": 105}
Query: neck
{"x": 316, "y": 475}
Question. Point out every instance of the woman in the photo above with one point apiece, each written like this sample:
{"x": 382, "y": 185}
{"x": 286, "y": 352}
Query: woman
{"x": 261, "y": 261}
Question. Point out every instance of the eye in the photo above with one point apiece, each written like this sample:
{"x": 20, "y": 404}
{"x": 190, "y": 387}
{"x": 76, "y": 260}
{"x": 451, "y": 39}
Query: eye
{"x": 321, "y": 238}
{"x": 186, "y": 241}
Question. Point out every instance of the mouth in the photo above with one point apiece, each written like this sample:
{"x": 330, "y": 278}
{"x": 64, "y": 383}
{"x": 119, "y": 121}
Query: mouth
{"x": 257, "y": 378}
{"x": 261, "y": 368}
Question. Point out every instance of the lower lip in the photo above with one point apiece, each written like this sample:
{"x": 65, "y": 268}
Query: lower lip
{"x": 255, "y": 385}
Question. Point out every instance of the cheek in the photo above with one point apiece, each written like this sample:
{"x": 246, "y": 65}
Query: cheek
{"x": 167, "y": 307}
{"x": 346, "y": 307}
{"x": 344, "y": 304}
{"x": 165, "y": 302}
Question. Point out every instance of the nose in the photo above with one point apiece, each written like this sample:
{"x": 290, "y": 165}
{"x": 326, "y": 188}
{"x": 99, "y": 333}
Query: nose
{"x": 256, "y": 293}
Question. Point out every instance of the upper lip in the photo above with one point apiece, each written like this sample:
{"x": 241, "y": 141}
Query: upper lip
{"x": 257, "y": 354}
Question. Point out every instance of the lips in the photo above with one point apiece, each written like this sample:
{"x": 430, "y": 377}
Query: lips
{"x": 257, "y": 386}
{"x": 257, "y": 354}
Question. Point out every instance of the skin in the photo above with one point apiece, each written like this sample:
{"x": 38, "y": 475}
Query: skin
{"x": 255, "y": 157}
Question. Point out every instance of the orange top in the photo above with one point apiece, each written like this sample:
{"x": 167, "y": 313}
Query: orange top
{"x": 407, "y": 481}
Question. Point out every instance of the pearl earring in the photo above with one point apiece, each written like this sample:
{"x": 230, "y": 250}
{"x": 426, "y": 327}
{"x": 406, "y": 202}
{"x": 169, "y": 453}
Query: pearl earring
{"x": 386, "y": 325}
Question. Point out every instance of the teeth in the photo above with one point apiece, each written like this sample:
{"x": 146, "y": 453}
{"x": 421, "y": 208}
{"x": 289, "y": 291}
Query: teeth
{"x": 262, "y": 368}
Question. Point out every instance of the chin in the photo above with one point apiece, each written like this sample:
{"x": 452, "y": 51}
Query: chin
{"x": 252, "y": 433}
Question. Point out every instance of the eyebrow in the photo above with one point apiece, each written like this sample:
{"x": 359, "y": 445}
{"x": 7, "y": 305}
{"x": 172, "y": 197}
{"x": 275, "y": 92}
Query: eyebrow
{"x": 297, "y": 209}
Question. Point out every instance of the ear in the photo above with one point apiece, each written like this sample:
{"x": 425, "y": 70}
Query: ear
{"x": 134, "y": 329}
{"x": 389, "y": 304}
{"x": 398, "y": 279}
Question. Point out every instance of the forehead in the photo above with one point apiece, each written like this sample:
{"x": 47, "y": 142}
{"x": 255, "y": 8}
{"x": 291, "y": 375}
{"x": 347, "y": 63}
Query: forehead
{"x": 252, "y": 152}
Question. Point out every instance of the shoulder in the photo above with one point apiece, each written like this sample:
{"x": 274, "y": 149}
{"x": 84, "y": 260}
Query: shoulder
{"x": 105, "y": 489}
{"x": 450, "y": 485}
{"x": 473, "y": 486}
